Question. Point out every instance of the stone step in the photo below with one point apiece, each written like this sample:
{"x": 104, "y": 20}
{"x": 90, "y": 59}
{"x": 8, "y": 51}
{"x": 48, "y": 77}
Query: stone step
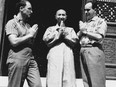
{"x": 4, "y": 82}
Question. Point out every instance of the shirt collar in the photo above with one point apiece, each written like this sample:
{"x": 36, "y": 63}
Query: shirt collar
{"x": 59, "y": 26}
{"x": 17, "y": 19}
{"x": 94, "y": 18}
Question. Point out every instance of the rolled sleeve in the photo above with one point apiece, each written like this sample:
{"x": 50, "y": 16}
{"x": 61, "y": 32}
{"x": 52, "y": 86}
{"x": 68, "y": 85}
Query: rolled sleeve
{"x": 102, "y": 27}
{"x": 11, "y": 28}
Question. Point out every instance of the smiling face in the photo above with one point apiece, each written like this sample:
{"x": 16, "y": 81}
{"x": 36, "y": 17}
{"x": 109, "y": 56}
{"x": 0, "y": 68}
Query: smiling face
{"x": 61, "y": 15}
{"x": 89, "y": 11}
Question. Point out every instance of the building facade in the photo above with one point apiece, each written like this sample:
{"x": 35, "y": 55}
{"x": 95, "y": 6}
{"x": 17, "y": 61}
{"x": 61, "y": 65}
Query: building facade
{"x": 43, "y": 15}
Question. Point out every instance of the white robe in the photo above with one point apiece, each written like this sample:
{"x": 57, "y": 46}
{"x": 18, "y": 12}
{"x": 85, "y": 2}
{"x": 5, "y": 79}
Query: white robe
{"x": 61, "y": 71}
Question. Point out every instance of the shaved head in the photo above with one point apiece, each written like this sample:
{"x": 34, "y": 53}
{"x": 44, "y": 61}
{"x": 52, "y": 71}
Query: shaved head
{"x": 61, "y": 15}
{"x": 61, "y": 11}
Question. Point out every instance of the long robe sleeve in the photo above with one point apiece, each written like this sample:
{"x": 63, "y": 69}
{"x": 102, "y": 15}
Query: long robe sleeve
{"x": 70, "y": 37}
{"x": 51, "y": 36}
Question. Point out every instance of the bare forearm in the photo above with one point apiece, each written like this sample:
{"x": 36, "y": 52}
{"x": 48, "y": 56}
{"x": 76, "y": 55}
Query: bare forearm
{"x": 19, "y": 40}
{"x": 95, "y": 36}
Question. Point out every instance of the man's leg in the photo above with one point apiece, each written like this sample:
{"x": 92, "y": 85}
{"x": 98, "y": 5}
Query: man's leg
{"x": 93, "y": 67}
{"x": 33, "y": 75}
{"x": 16, "y": 74}
{"x": 69, "y": 78}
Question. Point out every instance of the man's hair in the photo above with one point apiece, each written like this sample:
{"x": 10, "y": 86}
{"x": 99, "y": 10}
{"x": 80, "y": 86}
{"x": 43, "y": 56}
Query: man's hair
{"x": 21, "y": 3}
{"x": 94, "y": 3}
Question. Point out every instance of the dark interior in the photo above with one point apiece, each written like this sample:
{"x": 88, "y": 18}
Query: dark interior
{"x": 44, "y": 15}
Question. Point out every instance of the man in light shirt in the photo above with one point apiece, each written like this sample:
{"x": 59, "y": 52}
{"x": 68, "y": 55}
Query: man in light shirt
{"x": 91, "y": 35}
{"x": 21, "y": 63}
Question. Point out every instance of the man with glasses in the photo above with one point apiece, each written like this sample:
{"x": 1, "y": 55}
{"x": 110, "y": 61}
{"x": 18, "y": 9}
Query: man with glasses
{"x": 61, "y": 40}
{"x": 91, "y": 35}
{"x": 21, "y": 63}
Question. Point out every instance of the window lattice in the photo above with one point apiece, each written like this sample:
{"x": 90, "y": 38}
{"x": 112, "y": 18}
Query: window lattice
{"x": 107, "y": 10}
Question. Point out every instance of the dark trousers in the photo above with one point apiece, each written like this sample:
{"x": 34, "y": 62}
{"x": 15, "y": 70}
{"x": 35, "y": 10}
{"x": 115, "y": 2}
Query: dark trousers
{"x": 92, "y": 66}
{"x": 21, "y": 69}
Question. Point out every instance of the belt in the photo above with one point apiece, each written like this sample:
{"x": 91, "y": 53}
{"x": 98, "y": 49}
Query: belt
{"x": 86, "y": 45}
{"x": 91, "y": 45}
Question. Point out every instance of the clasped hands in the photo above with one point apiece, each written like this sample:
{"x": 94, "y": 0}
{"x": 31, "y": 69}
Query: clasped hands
{"x": 33, "y": 30}
{"x": 82, "y": 27}
{"x": 62, "y": 31}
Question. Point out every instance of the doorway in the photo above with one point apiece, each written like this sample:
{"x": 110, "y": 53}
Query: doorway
{"x": 44, "y": 15}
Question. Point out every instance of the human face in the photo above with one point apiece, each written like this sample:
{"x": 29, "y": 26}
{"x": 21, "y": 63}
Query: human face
{"x": 89, "y": 11}
{"x": 61, "y": 15}
{"x": 27, "y": 10}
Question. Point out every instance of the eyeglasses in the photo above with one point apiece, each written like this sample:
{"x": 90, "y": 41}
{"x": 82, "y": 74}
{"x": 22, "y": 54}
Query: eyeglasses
{"x": 86, "y": 9}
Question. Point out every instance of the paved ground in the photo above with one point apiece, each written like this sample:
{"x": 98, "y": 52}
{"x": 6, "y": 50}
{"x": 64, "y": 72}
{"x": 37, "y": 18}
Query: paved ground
{"x": 4, "y": 82}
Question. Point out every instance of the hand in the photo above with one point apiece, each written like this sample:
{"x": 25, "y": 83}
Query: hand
{"x": 84, "y": 32}
{"x": 82, "y": 26}
{"x": 35, "y": 27}
{"x": 65, "y": 33}
{"x": 60, "y": 30}
{"x": 33, "y": 30}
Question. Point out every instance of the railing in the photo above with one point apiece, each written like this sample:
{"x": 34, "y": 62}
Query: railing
{"x": 108, "y": 0}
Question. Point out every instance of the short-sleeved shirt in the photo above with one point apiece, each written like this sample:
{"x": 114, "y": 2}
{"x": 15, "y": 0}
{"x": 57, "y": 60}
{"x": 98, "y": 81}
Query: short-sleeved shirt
{"x": 96, "y": 25}
{"x": 23, "y": 50}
